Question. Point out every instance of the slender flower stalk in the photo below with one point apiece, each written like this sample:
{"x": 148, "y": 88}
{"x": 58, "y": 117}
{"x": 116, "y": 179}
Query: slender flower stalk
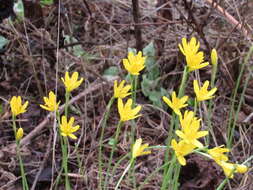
{"x": 137, "y": 150}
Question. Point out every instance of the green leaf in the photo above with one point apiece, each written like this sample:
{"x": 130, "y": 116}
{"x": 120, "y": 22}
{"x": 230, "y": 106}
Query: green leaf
{"x": 3, "y": 42}
{"x": 19, "y": 9}
{"x": 46, "y": 2}
{"x": 111, "y": 72}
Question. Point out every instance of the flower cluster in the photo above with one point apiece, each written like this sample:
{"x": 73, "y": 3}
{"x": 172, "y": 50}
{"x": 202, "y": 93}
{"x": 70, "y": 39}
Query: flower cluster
{"x": 190, "y": 132}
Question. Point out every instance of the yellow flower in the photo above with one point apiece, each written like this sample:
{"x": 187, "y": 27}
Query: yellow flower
{"x": 126, "y": 112}
{"x": 50, "y": 102}
{"x": 230, "y": 168}
{"x": 217, "y": 154}
{"x": 138, "y": 149}
{"x": 16, "y": 105}
{"x": 134, "y": 63}
{"x": 19, "y": 134}
{"x": 177, "y": 103}
{"x": 121, "y": 91}
{"x": 201, "y": 92}
{"x": 181, "y": 150}
{"x": 67, "y": 128}
{"x": 194, "y": 59}
{"x": 214, "y": 57}
{"x": 190, "y": 126}
{"x": 72, "y": 82}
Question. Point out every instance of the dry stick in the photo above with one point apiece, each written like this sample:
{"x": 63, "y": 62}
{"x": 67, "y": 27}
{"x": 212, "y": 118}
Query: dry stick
{"x": 137, "y": 28}
{"x": 41, "y": 126}
{"x": 230, "y": 19}
{"x": 43, "y": 162}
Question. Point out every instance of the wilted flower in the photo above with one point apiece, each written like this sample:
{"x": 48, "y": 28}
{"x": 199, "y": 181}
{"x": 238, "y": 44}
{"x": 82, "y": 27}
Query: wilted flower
{"x": 139, "y": 149}
{"x": 19, "y": 134}
{"x": 182, "y": 149}
{"x": 50, "y": 102}
{"x": 16, "y": 105}
{"x": 72, "y": 82}
{"x": 176, "y": 103}
{"x": 201, "y": 92}
{"x": 121, "y": 91}
{"x": 194, "y": 59}
{"x": 190, "y": 129}
{"x": 126, "y": 112}
{"x": 230, "y": 168}
{"x": 67, "y": 128}
{"x": 134, "y": 63}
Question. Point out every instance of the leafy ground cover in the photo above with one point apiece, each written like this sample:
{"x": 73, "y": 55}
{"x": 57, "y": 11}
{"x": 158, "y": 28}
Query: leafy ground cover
{"x": 40, "y": 41}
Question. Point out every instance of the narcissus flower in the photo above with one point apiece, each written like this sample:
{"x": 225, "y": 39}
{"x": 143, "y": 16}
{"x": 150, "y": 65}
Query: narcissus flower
{"x": 139, "y": 149}
{"x": 67, "y": 128}
{"x": 134, "y": 63}
{"x": 126, "y": 112}
{"x": 201, "y": 92}
{"x": 182, "y": 149}
{"x": 72, "y": 82}
{"x": 176, "y": 103}
{"x": 230, "y": 168}
{"x": 190, "y": 129}
{"x": 214, "y": 57}
{"x": 121, "y": 91}
{"x": 194, "y": 59}
{"x": 217, "y": 153}
{"x": 50, "y": 102}
{"x": 16, "y": 105}
{"x": 19, "y": 134}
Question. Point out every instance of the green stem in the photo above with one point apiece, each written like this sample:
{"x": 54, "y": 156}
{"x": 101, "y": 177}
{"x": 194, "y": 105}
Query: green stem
{"x": 112, "y": 152}
{"x": 67, "y": 95}
{"x": 65, "y": 162}
{"x": 106, "y": 116}
{"x": 231, "y": 126}
{"x": 183, "y": 82}
{"x": 168, "y": 177}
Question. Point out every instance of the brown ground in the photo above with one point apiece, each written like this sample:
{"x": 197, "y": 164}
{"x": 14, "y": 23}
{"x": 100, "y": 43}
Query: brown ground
{"x": 103, "y": 30}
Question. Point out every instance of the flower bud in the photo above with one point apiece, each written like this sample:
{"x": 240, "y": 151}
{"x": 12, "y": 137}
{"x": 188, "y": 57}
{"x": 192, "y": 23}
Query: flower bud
{"x": 214, "y": 57}
{"x": 19, "y": 134}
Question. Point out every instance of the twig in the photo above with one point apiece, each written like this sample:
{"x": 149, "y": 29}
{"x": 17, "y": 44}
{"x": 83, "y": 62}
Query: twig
{"x": 137, "y": 28}
{"x": 230, "y": 19}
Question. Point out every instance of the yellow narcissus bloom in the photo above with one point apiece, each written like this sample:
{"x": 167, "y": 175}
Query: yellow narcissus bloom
{"x": 201, "y": 92}
{"x": 126, "y": 112}
{"x": 230, "y": 168}
{"x": 19, "y": 134}
{"x": 194, "y": 59}
{"x": 121, "y": 91}
{"x": 139, "y": 149}
{"x": 72, "y": 82}
{"x": 50, "y": 102}
{"x": 217, "y": 153}
{"x": 214, "y": 57}
{"x": 176, "y": 103}
{"x": 134, "y": 63}
{"x": 67, "y": 128}
{"x": 182, "y": 149}
{"x": 190, "y": 129}
{"x": 16, "y": 105}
